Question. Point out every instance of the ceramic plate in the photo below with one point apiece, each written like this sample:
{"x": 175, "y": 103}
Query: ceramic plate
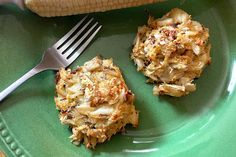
{"x": 197, "y": 125}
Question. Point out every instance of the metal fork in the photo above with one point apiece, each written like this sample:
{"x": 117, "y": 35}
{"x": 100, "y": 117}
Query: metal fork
{"x": 62, "y": 53}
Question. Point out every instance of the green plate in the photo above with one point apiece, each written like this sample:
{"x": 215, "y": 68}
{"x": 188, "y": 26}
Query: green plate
{"x": 201, "y": 124}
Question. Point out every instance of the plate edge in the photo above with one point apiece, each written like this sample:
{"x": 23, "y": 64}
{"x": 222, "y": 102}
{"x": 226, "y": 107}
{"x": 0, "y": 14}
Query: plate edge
{"x": 10, "y": 141}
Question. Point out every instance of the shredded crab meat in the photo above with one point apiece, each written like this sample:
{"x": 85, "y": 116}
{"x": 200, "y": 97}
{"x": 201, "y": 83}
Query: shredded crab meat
{"x": 172, "y": 51}
{"x": 94, "y": 101}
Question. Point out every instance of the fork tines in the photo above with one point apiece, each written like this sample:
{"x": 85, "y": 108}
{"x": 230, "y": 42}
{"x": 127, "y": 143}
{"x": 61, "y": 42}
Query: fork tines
{"x": 77, "y": 39}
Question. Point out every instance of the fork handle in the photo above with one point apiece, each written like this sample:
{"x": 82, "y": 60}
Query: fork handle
{"x": 18, "y": 82}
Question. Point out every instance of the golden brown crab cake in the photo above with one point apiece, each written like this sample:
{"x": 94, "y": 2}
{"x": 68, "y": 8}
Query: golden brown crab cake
{"x": 94, "y": 101}
{"x": 172, "y": 51}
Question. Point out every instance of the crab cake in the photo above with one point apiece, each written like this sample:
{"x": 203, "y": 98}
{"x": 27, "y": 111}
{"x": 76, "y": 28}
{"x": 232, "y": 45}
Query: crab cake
{"x": 172, "y": 51}
{"x": 94, "y": 101}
